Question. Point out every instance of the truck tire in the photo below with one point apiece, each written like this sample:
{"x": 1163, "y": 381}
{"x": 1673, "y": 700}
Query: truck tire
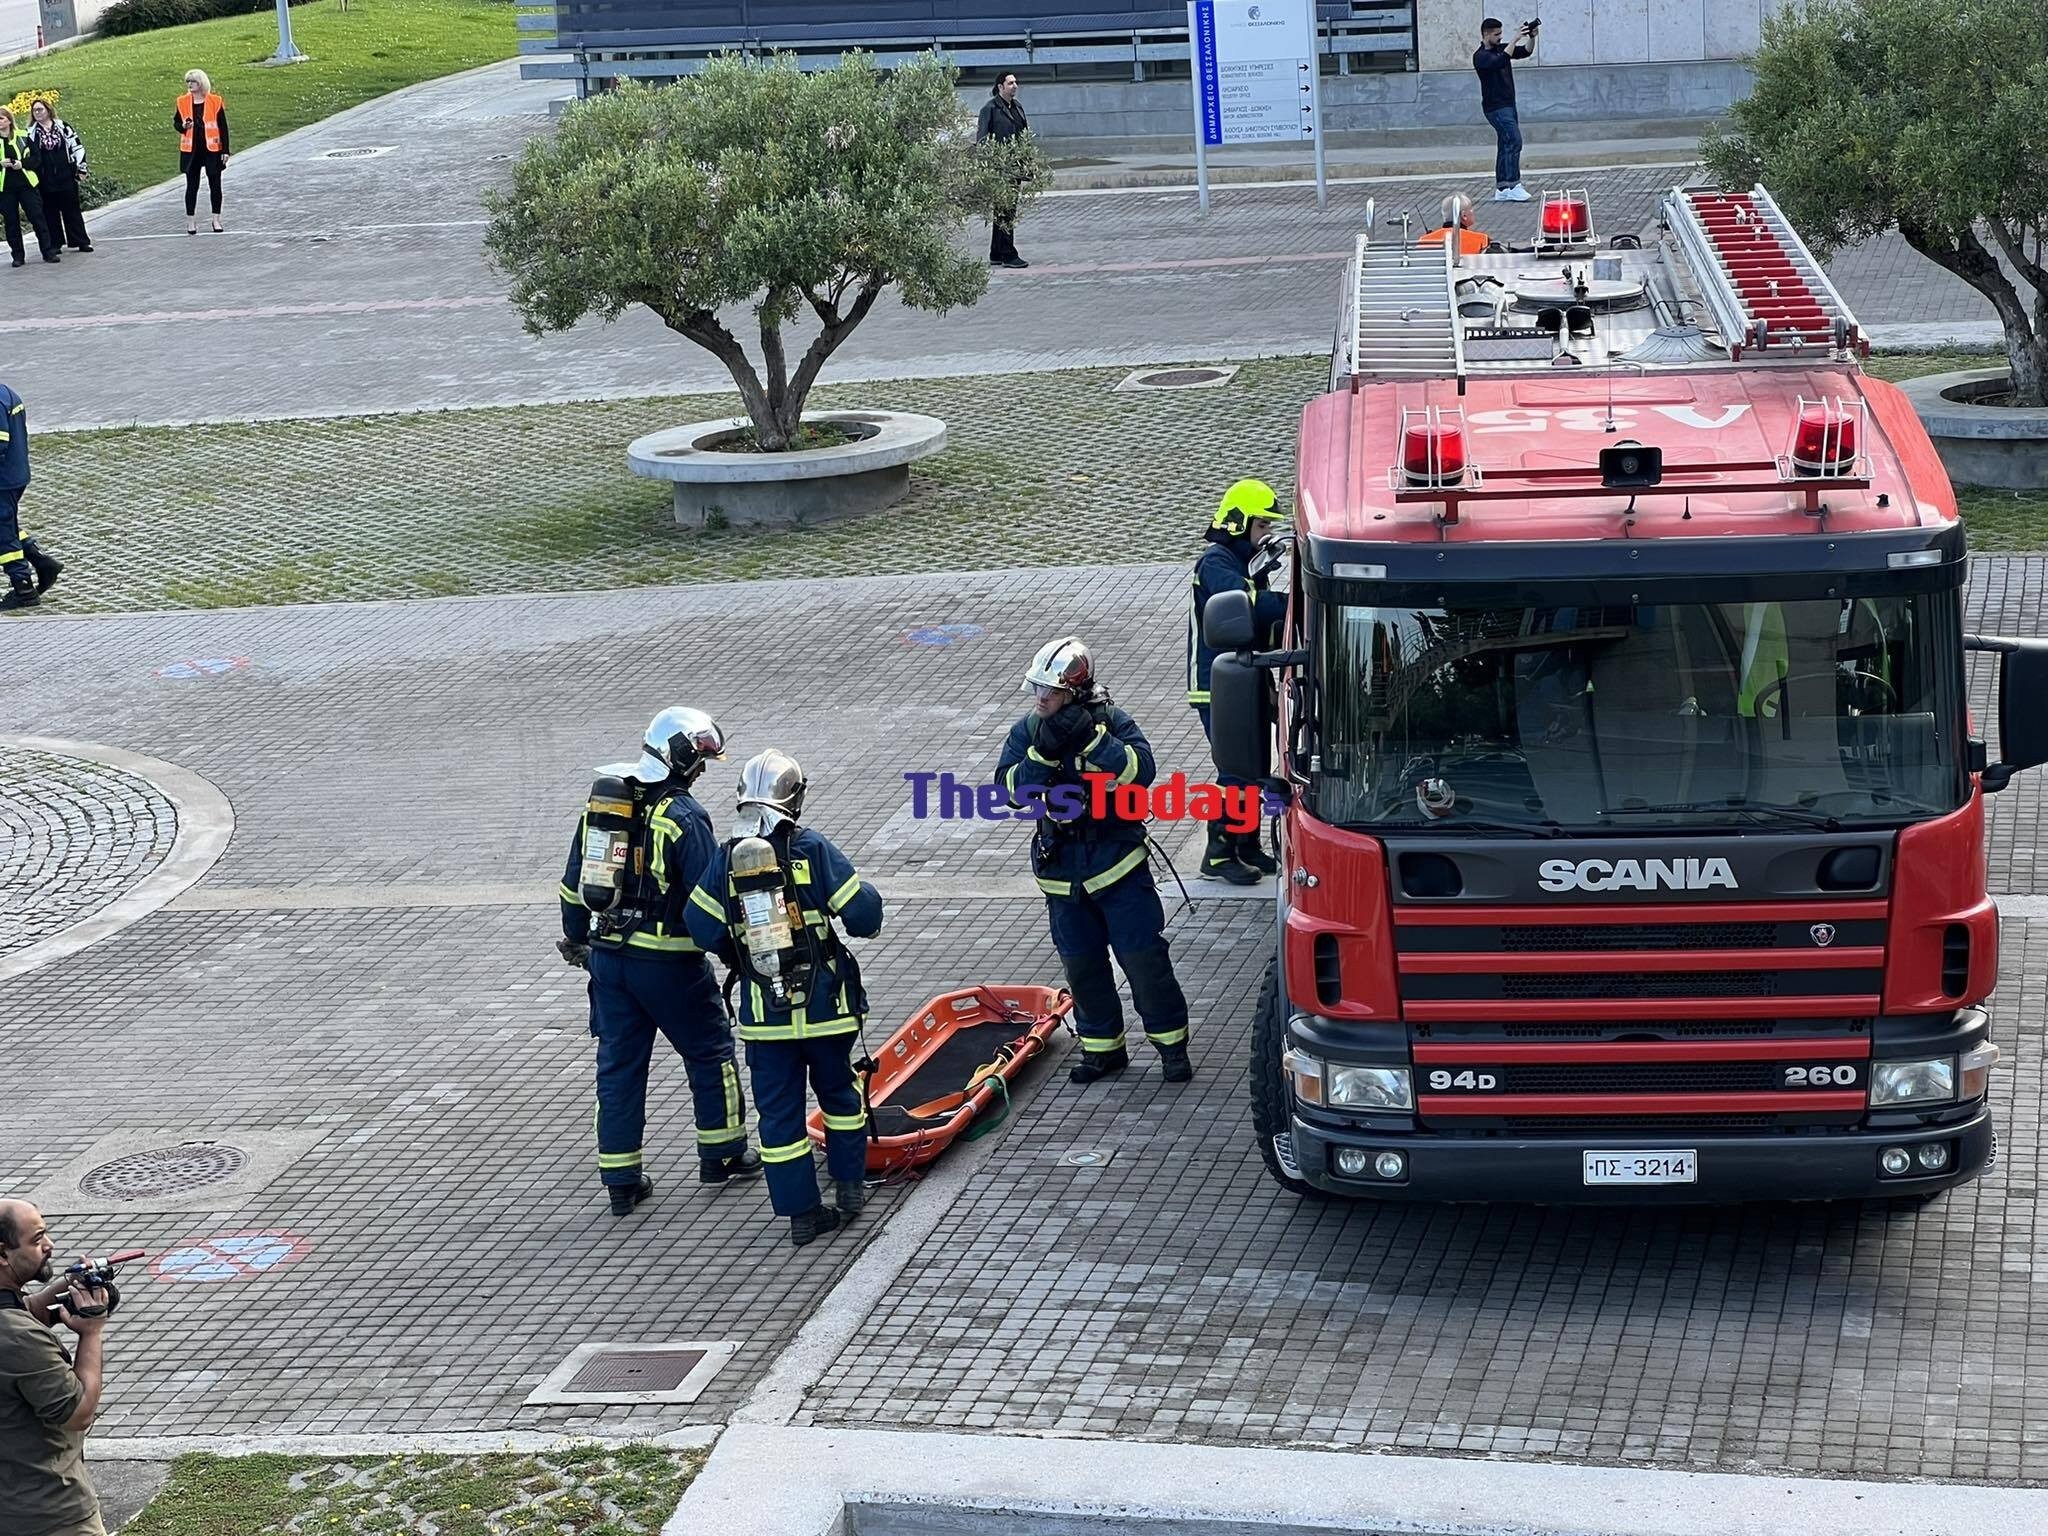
{"x": 1268, "y": 1086}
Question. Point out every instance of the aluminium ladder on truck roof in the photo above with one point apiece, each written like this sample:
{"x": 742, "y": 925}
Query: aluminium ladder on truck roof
{"x": 1763, "y": 285}
{"x": 1400, "y": 313}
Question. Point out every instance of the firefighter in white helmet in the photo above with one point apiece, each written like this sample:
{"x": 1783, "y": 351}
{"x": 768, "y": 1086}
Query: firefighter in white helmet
{"x": 767, "y": 904}
{"x": 1099, "y": 894}
{"x": 641, "y": 844}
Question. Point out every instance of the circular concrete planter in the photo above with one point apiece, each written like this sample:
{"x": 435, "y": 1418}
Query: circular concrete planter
{"x": 1992, "y": 445}
{"x": 801, "y": 489}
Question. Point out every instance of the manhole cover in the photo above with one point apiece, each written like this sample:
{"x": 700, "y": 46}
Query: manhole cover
{"x": 358, "y": 152}
{"x": 166, "y": 1171}
{"x": 636, "y": 1370}
{"x": 1087, "y": 1157}
{"x": 635, "y": 1373}
{"x": 1178, "y": 378}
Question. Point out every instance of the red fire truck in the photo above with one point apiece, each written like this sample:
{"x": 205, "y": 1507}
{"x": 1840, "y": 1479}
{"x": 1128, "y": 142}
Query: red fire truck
{"x": 1633, "y": 845}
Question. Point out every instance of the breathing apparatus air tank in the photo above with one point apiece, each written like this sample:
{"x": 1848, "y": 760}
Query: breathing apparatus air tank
{"x": 609, "y": 818}
{"x": 777, "y": 944}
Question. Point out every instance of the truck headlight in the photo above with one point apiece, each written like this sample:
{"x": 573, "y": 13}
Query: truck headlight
{"x": 1368, "y": 1087}
{"x": 1912, "y": 1082}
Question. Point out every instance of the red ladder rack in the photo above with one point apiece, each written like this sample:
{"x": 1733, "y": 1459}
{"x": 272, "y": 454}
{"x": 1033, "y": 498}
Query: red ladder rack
{"x": 1764, "y": 285}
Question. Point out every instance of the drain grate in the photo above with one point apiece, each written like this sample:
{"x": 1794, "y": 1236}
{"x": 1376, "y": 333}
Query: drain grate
{"x": 164, "y": 1171}
{"x": 636, "y": 1370}
{"x": 1178, "y": 378}
{"x": 358, "y": 152}
{"x": 634, "y": 1373}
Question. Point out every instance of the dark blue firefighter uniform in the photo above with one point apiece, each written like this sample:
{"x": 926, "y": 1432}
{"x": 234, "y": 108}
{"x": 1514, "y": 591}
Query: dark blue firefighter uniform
{"x": 13, "y": 474}
{"x": 1099, "y": 894}
{"x": 1225, "y": 566}
{"x": 813, "y": 1039}
{"x": 656, "y": 979}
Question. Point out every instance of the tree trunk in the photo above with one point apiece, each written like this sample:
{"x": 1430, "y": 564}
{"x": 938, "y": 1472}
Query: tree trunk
{"x": 1967, "y": 258}
{"x": 703, "y": 327}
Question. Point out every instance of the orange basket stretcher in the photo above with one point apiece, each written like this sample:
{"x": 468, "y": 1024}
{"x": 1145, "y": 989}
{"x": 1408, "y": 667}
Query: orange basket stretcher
{"x": 950, "y": 1064}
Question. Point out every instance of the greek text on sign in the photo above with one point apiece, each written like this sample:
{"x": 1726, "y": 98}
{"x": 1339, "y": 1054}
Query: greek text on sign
{"x": 1255, "y": 64}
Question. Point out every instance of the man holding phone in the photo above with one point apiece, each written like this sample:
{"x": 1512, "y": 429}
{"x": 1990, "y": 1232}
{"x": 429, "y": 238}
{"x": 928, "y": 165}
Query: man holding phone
{"x": 1495, "y": 64}
{"x": 48, "y": 1399}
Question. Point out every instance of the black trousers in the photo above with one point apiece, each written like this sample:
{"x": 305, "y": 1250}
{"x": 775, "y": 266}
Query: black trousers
{"x": 16, "y": 202}
{"x": 64, "y": 215}
{"x": 1002, "y": 238}
{"x": 194, "y": 164}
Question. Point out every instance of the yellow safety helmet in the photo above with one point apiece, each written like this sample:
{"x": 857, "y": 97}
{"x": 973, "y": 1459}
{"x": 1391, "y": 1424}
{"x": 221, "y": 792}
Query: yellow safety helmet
{"x": 1244, "y": 501}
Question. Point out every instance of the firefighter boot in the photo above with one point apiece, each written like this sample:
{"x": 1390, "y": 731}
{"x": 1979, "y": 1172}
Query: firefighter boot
{"x": 744, "y": 1164}
{"x": 851, "y": 1196}
{"x": 1252, "y": 856}
{"x": 21, "y": 586}
{"x": 1174, "y": 1065}
{"x": 47, "y": 567}
{"x": 1094, "y": 1066}
{"x": 1219, "y": 860}
{"x": 808, "y": 1226}
{"x": 626, "y": 1196}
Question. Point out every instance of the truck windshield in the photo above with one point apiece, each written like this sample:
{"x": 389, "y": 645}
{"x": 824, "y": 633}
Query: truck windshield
{"x": 1640, "y": 716}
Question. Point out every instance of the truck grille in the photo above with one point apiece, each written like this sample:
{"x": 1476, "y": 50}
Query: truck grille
{"x": 1605, "y": 986}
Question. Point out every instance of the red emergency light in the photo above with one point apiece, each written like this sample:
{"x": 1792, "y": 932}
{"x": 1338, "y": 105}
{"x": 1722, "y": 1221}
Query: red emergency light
{"x": 1824, "y": 438}
{"x": 1432, "y": 450}
{"x": 1567, "y": 219}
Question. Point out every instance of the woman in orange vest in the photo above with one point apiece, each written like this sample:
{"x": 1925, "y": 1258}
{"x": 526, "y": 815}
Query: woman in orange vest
{"x": 201, "y": 119}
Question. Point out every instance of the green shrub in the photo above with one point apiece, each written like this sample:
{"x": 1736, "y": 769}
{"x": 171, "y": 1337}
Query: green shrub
{"x": 126, "y": 16}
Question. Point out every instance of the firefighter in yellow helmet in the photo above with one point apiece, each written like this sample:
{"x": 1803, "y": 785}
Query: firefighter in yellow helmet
{"x": 1246, "y": 518}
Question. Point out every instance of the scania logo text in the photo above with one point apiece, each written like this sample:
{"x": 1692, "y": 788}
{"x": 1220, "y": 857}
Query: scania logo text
{"x": 1637, "y": 875}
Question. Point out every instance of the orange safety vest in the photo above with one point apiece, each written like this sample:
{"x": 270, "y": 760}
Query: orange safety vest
{"x": 1470, "y": 241}
{"x": 209, "y": 113}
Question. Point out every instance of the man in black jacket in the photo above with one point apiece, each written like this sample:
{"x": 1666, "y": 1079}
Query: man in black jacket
{"x": 1495, "y": 65}
{"x": 1002, "y": 119}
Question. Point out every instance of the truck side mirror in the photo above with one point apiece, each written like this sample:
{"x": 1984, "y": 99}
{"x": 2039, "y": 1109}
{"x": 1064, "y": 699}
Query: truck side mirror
{"x": 1227, "y": 622}
{"x": 1240, "y": 709}
{"x": 2022, "y": 705}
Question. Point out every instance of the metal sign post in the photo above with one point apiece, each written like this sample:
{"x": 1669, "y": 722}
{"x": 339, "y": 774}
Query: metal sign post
{"x": 287, "y": 50}
{"x": 1255, "y": 68}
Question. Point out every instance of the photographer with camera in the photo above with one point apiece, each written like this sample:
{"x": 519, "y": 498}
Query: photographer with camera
{"x": 48, "y": 1399}
{"x": 1495, "y": 64}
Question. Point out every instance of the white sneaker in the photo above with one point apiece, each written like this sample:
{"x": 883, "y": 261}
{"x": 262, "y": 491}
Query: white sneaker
{"x": 1514, "y": 194}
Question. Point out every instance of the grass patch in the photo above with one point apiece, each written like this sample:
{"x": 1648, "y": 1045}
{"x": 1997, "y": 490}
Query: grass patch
{"x": 1997, "y": 520}
{"x": 593, "y": 1491}
{"x": 118, "y": 91}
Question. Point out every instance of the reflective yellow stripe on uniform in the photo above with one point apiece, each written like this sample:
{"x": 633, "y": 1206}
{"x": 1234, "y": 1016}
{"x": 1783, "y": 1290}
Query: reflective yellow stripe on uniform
{"x": 666, "y": 944}
{"x": 708, "y": 903}
{"x": 618, "y": 1160}
{"x": 814, "y": 1029}
{"x": 574, "y": 898}
{"x": 1056, "y": 887}
{"x": 1171, "y": 1037}
{"x": 845, "y": 893}
{"x": 1130, "y": 769}
{"x": 789, "y": 1152}
{"x": 1104, "y": 1042}
{"x": 857, "y": 1121}
{"x": 1116, "y": 871}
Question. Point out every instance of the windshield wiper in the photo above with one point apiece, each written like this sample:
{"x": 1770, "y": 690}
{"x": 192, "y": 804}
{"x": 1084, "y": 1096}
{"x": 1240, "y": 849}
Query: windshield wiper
{"x": 1785, "y": 813}
{"x": 1544, "y": 828}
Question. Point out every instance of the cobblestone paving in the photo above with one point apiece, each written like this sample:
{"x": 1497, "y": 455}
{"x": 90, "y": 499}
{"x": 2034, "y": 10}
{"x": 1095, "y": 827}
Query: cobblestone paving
{"x": 1177, "y": 1294}
{"x": 74, "y": 835}
{"x": 1047, "y": 468}
{"x": 457, "y": 1245}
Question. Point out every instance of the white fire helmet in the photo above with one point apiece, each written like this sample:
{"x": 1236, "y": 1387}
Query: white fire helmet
{"x": 1063, "y": 663}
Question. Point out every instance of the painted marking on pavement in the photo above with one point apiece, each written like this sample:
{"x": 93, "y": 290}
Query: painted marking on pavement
{"x": 202, "y": 666}
{"x": 231, "y": 1256}
{"x": 941, "y": 634}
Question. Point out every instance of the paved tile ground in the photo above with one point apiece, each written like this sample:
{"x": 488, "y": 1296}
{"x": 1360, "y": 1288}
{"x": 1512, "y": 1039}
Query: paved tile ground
{"x": 458, "y": 1249}
{"x": 356, "y": 285}
{"x": 74, "y": 835}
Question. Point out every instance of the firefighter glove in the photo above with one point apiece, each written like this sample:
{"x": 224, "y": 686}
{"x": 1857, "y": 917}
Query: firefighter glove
{"x": 1057, "y": 735}
{"x": 576, "y": 954}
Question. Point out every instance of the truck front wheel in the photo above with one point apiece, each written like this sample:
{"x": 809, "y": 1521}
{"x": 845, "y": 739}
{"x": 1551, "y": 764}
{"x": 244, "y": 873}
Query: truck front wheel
{"x": 1270, "y": 1104}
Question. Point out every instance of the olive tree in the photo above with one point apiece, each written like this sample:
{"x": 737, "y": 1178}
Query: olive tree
{"x": 754, "y": 183}
{"x": 1927, "y": 115}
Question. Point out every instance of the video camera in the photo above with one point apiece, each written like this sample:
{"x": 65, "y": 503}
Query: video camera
{"x": 96, "y": 1277}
